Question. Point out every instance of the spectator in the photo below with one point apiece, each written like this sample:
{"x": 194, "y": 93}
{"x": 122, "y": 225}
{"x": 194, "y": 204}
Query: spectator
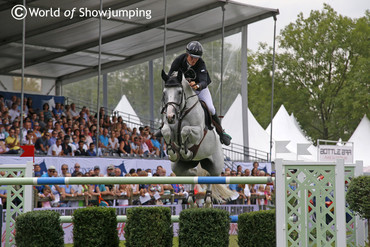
{"x": 97, "y": 171}
{"x": 11, "y": 101}
{"x": 77, "y": 170}
{"x": 104, "y": 141}
{"x": 156, "y": 145}
{"x": 67, "y": 149}
{"x": 125, "y": 146}
{"x": 80, "y": 190}
{"x": 117, "y": 172}
{"x": 13, "y": 112}
{"x": 74, "y": 112}
{"x": 29, "y": 139}
{"x": 57, "y": 111}
{"x": 91, "y": 151}
{"x": 36, "y": 130}
{"x": 2, "y": 147}
{"x": 113, "y": 142}
{"x": 30, "y": 106}
{"x": 87, "y": 135}
{"x": 144, "y": 147}
{"x": 81, "y": 149}
{"x": 66, "y": 192}
{"x": 42, "y": 143}
{"x": 12, "y": 142}
{"x": 123, "y": 190}
{"x": 65, "y": 172}
{"x": 46, "y": 193}
{"x": 56, "y": 149}
{"x": 47, "y": 113}
{"x": 53, "y": 138}
{"x": 136, "y": 146}
{"x": 247, "y": 172}
{"x": 255, "y": 171}
{"x": 42, "y": 121}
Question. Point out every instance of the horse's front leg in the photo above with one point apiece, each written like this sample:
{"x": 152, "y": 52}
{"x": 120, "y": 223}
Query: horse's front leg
{"x": 166, "y": 132}
{"x": 190, "y": 135}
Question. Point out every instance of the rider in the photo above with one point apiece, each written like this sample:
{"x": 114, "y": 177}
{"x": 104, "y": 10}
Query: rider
{"x": 191, "y": 60}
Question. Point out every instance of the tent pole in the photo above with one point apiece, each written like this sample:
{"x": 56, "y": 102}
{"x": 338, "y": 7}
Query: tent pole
{"x": 99, "y": 74}
{"x": 272, "y": 86}
{"x": 22, "y": 80}
{"x": 222, "y": 56}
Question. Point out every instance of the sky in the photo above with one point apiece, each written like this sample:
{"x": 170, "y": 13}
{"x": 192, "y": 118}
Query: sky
{"x": 262, "y": 31}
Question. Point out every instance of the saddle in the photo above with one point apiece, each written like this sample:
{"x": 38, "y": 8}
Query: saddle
{"x": 207, "y": 116}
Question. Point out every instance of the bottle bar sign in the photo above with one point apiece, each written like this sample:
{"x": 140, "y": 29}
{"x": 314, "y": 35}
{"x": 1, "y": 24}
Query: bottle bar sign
{"x": 332, "y": 153}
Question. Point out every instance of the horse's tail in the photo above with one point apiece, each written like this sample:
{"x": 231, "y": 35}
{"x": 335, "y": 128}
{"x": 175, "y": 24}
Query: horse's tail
{"x": 220, "y": 192}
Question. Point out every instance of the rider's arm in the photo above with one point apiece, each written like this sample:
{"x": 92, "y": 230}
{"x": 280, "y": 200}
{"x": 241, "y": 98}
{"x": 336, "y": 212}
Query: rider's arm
{"x": 203, "y": 76}
{"x": 176, "y": 64}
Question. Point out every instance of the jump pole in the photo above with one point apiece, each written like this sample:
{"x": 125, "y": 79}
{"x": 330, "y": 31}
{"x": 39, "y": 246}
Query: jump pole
{"x": 135, "y": 180}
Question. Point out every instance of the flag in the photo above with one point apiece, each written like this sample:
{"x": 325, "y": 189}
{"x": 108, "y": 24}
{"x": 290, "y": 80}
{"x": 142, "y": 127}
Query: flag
{"x": 302, "y": 148}
{"x": 280, "y": 147}
{"x": 29, "y": 151}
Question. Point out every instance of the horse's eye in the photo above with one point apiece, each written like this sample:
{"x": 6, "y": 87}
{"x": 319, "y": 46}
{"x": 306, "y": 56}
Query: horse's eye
{"x": 179, "y": 92}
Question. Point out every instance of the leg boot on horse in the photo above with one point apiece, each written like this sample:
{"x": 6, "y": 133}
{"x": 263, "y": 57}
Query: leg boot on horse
{"x": 208, "y": 199}
{"x": 224, "y": 137}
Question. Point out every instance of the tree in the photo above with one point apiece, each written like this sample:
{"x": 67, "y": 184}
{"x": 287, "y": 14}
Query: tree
{"x": 324, "y": 54}
{"x": 358, "y": 197}
{"x": 322, "y": 74}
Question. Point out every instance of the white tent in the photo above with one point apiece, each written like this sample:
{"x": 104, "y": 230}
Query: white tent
{"x": 128, "y": 114}
{"x": 361, "y": 141}
{"x": 286, "y": 128}
{"x": 233, "y": 125}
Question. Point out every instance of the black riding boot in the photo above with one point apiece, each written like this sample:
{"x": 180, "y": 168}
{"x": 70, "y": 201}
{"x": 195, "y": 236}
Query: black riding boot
{"x": 158, "y": 133}
{"x": 224, "y": 138}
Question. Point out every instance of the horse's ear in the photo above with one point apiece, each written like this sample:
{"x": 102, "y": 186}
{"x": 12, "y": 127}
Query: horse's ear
{"x": 164, "y": 75}
{"x": 179, "y": 76}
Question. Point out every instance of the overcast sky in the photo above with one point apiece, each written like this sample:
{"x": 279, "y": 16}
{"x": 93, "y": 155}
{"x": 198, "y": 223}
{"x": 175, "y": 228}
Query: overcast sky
{"x": 262, "y": 31}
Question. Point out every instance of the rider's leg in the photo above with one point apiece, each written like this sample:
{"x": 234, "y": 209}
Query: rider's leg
{"x": 205, "y": 95}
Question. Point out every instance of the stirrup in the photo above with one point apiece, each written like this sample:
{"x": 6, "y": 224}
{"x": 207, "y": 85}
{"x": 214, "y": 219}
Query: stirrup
{"x": 225, "y": 138}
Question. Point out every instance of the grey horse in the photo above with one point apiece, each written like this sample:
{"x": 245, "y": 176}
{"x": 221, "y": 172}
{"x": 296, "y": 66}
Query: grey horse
{"x": 189, "y": 142}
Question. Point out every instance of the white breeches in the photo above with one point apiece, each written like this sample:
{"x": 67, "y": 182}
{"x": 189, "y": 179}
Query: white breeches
{"x": 206, "y": 96}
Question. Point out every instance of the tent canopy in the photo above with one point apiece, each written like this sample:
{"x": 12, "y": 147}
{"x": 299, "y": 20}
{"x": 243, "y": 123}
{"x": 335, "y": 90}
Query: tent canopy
{"x": 66, "y": 49}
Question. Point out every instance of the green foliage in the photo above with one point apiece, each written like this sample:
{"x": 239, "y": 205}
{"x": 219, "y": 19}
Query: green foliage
{"x": 95, "y": 227}
{"x": 321, "y": 74}
{"x": 257, "y": 229}
{"x": 39, "y": 229}
{"x": 358, "y": 196}
{"x": 204, "y": 227}
{"x": 148, "y": 227}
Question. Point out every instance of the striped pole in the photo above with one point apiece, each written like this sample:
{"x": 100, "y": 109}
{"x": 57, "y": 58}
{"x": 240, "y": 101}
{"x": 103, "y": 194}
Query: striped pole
{"x": 123, "y": 218}
{"x": 135, "y": 180}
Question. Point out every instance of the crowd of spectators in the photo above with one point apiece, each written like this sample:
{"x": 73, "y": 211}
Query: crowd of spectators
{"x": 146, "y": 194}
{"x": 65, "y": 131}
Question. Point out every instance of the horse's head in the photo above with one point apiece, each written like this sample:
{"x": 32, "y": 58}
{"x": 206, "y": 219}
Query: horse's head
{"x": 173, "y": 96}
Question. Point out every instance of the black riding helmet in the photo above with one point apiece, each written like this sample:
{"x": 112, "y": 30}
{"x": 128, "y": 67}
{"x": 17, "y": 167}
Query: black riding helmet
{"x": 194, "y": 49}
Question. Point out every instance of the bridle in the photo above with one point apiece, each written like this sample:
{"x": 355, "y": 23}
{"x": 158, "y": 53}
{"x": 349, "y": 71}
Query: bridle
{"x": 180, "y": 108}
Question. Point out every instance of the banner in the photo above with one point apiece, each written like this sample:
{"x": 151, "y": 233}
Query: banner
{"x": 329, "y": 153}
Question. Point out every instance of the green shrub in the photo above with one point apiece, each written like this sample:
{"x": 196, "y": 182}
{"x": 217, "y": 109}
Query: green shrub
{"x": 95, "y": 227}
{"x": 39, "y": 229}
{"x": 148, "y": 227}
{"x": 204, "y": 227}
{"x": 257, "y": 229}
{"x": 358, "y": 196}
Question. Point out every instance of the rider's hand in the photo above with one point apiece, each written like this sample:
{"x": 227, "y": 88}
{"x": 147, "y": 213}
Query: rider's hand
{"x": 194, "y": 85}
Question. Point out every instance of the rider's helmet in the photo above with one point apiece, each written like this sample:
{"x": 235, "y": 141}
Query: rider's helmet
{"x": 194, "y": 49}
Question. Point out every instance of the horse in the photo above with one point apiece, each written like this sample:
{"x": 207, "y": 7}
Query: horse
{"x": 192, "y": 148}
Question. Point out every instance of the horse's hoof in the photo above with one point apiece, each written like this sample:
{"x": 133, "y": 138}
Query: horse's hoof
{"x": 186, "y": 155}
{"x": 173, "y": 156}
